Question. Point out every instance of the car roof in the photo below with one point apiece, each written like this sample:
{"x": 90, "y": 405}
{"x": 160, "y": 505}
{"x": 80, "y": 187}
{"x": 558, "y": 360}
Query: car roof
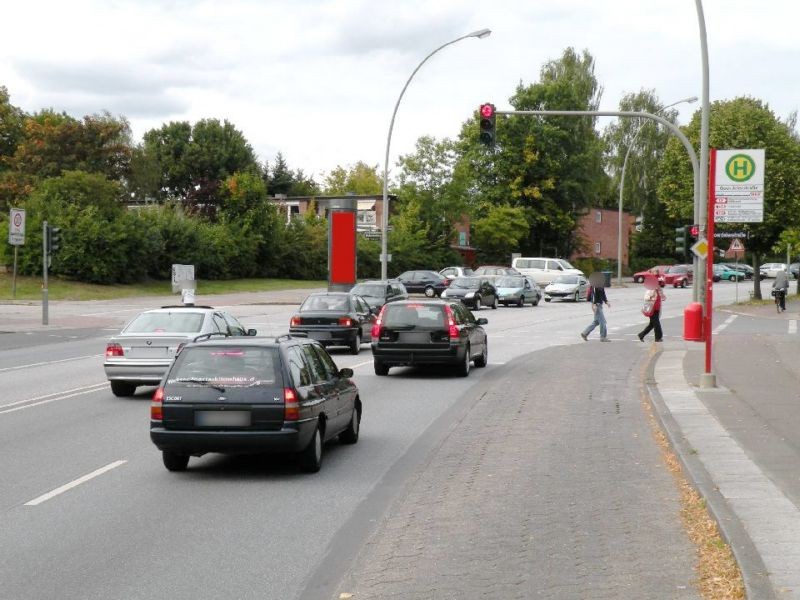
{"x": 182, "y": 307}
{"x": 271, "y": 342}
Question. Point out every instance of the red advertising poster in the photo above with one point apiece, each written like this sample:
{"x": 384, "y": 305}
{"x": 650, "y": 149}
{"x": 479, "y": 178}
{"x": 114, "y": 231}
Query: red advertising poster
{"x": 343, "y": 247}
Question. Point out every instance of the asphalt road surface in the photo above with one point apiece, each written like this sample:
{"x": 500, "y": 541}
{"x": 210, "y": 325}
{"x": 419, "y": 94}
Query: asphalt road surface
{"x": 88, "y": 511}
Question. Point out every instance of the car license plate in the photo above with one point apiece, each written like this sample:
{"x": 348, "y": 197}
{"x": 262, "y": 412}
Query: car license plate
{"x": 148, "y": 352}
{"x": 415, "y": 337}
{"x": 222, "y": 418}
{"x": 319, "y": 335}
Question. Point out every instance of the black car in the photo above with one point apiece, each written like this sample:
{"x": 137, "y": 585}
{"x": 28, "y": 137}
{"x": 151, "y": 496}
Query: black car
{"x": 334, "y": 319}
{"x": 253, "y": 395}
{"x": 429, "y": 283}
{"x": 428, "y": 332}
{"x": 379, "y": 292}
{"x": 472, "y": 291}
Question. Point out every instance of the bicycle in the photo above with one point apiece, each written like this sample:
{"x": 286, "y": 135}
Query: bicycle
{"x": 778, "y": 294}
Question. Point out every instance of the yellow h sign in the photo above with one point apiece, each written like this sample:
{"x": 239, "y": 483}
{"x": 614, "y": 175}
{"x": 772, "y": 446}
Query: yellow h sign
{"x": 740, "y": 167}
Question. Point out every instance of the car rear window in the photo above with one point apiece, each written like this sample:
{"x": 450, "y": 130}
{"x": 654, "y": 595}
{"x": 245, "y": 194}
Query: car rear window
{"x": 510, "y": 282}
{"x": 228, "y": 365}
{"x": 413, "y": 315}
{"x": 369, "y": 289}
{"x": 166, "y": 322}
{"x": 464, "y": 282}
{"x": 326, "y": 303}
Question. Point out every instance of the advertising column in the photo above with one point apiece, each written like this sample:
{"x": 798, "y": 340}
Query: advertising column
{"x": 342, "y": 244}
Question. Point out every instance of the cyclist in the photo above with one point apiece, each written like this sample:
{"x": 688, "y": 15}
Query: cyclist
{"x": 780, "y": 287}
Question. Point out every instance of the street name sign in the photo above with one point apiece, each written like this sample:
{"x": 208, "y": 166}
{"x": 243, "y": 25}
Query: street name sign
{"x": 739, "y": 186}
{"x": 16, "y": 227}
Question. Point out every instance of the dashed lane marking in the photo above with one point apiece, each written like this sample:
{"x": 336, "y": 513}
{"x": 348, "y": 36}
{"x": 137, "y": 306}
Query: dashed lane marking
{"x": 50, "y": 362}
{"x": 724, "y": 324}
{"x": 47, "y": 398}
{"x": 75, "y": 483}
{"x": 792, "y": 326}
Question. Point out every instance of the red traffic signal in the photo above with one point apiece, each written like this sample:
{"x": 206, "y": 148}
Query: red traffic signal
{"x": 487, "y": 125}
{"x": 694, "y": 230}
{"x": 487, "y": 111}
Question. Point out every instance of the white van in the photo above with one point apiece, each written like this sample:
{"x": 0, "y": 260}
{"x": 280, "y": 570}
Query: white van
{"x": 544, "y": 270}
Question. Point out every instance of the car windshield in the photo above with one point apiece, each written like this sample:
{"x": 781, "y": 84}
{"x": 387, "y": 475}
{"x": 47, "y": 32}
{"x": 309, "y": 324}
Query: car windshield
{"x": 413, "y": 315}
{"x": 322, "y": 302}
{"x": 566, "y": 279}
{"x": 464, "y": 282}
{"x": 226, "y": 366}
{"x": 565, "y": 264}
{"x": 370, "y": 289}
{"x": 166, "y": 322}
{"x": 510, "y": 282}
{"x": 677, "y": 270}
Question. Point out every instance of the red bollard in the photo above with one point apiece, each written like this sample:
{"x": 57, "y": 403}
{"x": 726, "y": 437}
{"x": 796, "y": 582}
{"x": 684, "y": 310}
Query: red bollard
{"x": 693, "y": 322}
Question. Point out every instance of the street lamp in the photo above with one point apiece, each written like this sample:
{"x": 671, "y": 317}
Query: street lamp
{"x": 480, "y": 34}
{"x": 622, "y": 181}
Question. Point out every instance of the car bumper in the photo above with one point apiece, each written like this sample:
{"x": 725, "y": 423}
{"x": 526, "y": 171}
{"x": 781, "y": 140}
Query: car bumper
{"x": 143, "y": 373}
{"x": 330, "y": 337}
{"x": 292, "y": 438}
{"x": 509, "y": 298}
{"x": 418, "y": 356}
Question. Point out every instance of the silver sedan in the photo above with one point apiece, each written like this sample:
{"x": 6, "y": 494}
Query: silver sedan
{"x": 567, "y": 287}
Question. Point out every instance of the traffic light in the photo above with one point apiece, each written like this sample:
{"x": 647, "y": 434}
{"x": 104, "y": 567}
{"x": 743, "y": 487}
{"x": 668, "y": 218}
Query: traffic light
{"x": 487, "y": 116}
{"x": 682, "y": 241}
{"x": 53, "y": 239}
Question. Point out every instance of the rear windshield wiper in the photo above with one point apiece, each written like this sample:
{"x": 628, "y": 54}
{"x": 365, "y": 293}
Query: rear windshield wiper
{"x": 200, "y": 381}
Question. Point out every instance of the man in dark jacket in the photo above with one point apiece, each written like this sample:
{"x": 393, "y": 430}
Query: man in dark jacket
{"x": 597, "y": 297}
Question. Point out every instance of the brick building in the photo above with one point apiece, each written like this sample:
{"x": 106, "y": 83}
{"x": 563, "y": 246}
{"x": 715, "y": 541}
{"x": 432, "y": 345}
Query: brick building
{"x": 599, "y": 230}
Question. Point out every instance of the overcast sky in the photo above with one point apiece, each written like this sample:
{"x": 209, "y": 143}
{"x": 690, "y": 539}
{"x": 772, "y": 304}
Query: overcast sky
{"x": 318, "y": 80}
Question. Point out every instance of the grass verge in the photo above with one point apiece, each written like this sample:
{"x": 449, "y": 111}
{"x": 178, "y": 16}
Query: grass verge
{"x": 30, "y": 288}
{"x": 718, "y": 575}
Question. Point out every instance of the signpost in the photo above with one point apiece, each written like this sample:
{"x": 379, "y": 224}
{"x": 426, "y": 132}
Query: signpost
{"x": 739, "y": 186}
{"x": 16, "y": 237}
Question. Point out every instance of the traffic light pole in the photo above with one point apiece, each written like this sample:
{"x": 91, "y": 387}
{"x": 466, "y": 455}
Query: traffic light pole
{"x": 45, "y": 260}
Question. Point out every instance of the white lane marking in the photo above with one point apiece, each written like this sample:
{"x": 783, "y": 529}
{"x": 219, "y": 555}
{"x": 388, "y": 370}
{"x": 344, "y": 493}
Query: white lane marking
{"x": 792, "y": 326}
{"x": 108, "y": 312}
{"x": 46, "y": 399}
{"x": 727, "y": 322}
{"x": 361, "y": 364}
{"x": 75, "y": 483}
{"x": 49, "y": 362}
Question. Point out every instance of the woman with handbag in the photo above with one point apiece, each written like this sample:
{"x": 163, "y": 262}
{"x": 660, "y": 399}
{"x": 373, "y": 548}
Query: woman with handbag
{"x": 651, "y": 308}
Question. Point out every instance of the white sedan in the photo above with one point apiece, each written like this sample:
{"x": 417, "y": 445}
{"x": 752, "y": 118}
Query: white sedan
{"x": 567, "y": 287}
{"x": 771, "y": 269}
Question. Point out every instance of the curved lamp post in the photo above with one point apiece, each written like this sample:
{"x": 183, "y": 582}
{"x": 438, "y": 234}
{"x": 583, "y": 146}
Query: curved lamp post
{"x": 480, "y": 34}
{"x": 622, "y": 182}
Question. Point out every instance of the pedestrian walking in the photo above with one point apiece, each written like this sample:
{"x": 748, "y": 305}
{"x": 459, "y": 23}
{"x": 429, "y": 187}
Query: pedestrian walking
{"x": 781, "y": 286}
{"x": 653, "y": 297}
{"x": 597, "y": 297}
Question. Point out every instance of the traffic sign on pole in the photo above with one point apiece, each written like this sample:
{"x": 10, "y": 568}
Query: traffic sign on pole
{"x": 16, "y": 227}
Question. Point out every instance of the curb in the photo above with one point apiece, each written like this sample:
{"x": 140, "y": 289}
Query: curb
{"x": 754, "y": 573}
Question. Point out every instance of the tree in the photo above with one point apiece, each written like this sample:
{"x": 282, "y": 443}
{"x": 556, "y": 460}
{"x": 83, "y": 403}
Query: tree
{"x": 280, "y": 179}
{"x": 498, "y": 234}
{"x": 11, "y": 128}
{"x": 360, "y": 179}
{"x": 741, "y": 123}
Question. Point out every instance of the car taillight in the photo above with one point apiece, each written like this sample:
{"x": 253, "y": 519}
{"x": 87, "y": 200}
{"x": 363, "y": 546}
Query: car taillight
{"x": 295, "y": 321}
{"x": 451, "y": 324}
{"x": 156, "y": 406}
{"x": 345, "y": 321}
{"x": 376, "y": 327}
{"x": 291, "y": 409}
{"x": 114, "y": 350}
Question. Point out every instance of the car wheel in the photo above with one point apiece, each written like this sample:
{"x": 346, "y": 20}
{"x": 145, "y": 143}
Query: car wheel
{"x": 174, "y": 461}
{"x": 483, "y": 359}
{"x": 638, "y": 279}
{"x": 430, "y": 292}
{"x": 535, "y": 302}
{"x": 380, "y": 368}
{"x": 355, "y": 346}
{"x": 494, "y": 303}
{"x": 311, "y": 457}
{"x": 732, "y": 278}
{"x": 683, "y": 283}
{"x": 478, "y": 301}
{"x": 576, "y": 297}
{"x": 350, "y": 435}
{"x": 463, "y": 368}
{"x": 547, "y": 299}
{"x": 521, "y": 301}
{"x": 122, "y": 388}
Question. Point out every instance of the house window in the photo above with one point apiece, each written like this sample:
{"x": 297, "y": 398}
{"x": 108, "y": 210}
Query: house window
{"x": 597, "y": 248}
{"x": 598, "y": 217}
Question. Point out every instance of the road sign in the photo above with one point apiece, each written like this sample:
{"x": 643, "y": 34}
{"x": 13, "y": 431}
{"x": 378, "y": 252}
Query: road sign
{"x": 700, "y": 248}
{"x": 736, "y": 246}
{"x": 16, "y": 227}
{"x": 739, "y": 186}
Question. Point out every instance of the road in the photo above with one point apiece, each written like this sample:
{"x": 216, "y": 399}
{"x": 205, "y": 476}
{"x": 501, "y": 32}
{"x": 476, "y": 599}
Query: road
{"x": 88, "y": 510}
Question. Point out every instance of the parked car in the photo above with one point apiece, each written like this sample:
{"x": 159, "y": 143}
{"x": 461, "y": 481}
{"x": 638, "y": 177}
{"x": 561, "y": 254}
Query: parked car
{"x": 794, "y": 270}
{"x": 544, "y": 270}
{"x": 658, "y": 271}
{"x": 453, "y": 272}
{"x": 770, "y": 270}
{"x": 725, "y": 272}
{"x": 429, "y": 283}
{"x": 472, "y": 291}
{"x": 334, "y": 319}
{"x": 571, "y": 287}
{"x": 141, "y": 353}
{"x": 253, "y": 395}
{"x": 495, "y": 271}
{"x": 517, "y": 290}
{"x": 379, "y": 292}
{"x": 678, "y": 275}
{"x": 428, "y": 332}
{"x": 747, "y": 270}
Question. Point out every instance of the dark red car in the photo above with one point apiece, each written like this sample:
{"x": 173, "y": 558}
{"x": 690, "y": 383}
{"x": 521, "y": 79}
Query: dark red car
{"x": 658, "y": 271}
{"x": 679, "y": 276}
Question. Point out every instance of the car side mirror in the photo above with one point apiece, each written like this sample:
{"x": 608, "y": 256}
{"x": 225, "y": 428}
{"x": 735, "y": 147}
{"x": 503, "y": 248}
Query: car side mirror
{"x": 483, "y": 321}
{"x": 345, "y": 372}
{"x": 252, "y": 332}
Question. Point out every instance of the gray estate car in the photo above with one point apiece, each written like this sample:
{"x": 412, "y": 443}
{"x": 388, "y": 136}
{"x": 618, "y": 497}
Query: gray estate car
{"x": 142, "y": 352}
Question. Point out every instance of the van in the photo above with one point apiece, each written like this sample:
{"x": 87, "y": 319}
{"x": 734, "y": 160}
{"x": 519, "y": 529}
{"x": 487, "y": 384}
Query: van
{"x": 544, "y": 270}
